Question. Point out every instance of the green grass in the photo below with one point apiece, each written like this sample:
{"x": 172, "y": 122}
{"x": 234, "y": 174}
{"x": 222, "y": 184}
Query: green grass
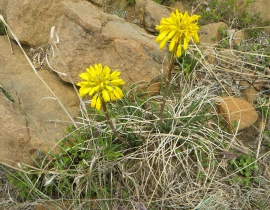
{"x": 2, "y": 29}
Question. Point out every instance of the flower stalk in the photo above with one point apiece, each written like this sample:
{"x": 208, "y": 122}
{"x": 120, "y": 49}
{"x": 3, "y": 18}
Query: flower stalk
{"x": 110, "y": 123}
{"x": 103, "y": 86}
{"x": 178, "y": 30}
{"x": 167, "y": 86}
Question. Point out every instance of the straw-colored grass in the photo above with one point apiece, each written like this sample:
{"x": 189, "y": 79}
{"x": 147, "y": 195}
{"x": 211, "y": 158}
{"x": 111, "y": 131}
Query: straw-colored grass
{"x": 180, "y": 164}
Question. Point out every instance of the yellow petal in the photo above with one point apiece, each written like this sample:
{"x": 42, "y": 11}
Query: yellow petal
{"x": 93, "y": 90}
{"x": 84, "y": 90}
{"x": 163, "y": 43}
{"x": 194, "y": 18}
{"x": 109, "y": 88}
{"x": 84, "y": 76}
{"x": 186, "y": 40}
{"x": 98, "y": 103}
{"x": 92, "y": 72}
{"x": 171, "y": 34}
{"x": 115, "y": 74}
{"x": 196, "y": 38}
{"x": 172, "y": 44}
{"x": 98, "y": 68}
{"x": 161, "y": 36}
{"x": 118, "y": 93}
{"x": 94, "y": 101}
{"x": 84, "y": 83}
{"x": 179, "y": 51}
{"x": 106, "y": 73}
{"x": 112, "y": 96}
{"x": 117, "y": 82}
{"x": 105, "y": 95}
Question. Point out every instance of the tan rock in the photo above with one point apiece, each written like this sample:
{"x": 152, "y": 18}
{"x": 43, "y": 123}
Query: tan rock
{"x": 210, "y": 33}
{"x": 210, "y": 55}
{"x": 140, "y": 9}
{"x": 88, "y": 36}
{"x": 99, "y": 2}
{"x": 237, "y": 110}
{"x": 14, "y": 134}
{"x": 178, "y": 5}
{"x": 38, "y": 120}
{"x": 261, "y": 7}
{"x": 236, "y": 36}
{"x": 149, "y": 13}
{"x": 227, "y": 57}
{"x": 240, "y": 6}
{"x": 153, "y": 14}
{"x": 251, "y": 95}
{"x": 32, "y": 20}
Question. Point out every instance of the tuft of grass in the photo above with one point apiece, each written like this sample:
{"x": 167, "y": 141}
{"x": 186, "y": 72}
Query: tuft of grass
{"x": 2, "y": 29}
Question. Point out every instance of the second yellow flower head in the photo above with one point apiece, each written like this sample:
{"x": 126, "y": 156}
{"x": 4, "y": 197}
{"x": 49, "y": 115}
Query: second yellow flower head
{"x": 178, "y": 28}
{"x": 101, "y": 84}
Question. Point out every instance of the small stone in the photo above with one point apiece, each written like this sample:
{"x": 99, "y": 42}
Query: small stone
{"x": 153, "y": 14}
{"x": 239, "y": 36}
{"x": 251, "y": 95}
{"x": 237, "y": 110}
{"x": 210, "y": 33}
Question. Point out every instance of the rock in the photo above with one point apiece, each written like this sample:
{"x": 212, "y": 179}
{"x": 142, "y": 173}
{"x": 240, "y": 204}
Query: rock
{"x": 210, "y": 55}
{"x": 14, "y": 133}
{"x": 98, "y": 2}
{"x": 178, "y": 5}
{"x": 140, "y": 9}
{"x": 88, "y": 36}
{"x": 149, "y": 13}
{"x": 237, "y": 36}
{"x": 210, "y": 34}
{"x": 32, "y": 20}
{"x": 36, "y": 120}
{"x": 240, "y": 6}
{"x": 237, "y": 110}
{"x": 260, "y": 7}
{"x": 153, "y": 14}
{"x": 251, "y": 95}
{"x": 3, "y": 6}
{"x": 227, "y": 58}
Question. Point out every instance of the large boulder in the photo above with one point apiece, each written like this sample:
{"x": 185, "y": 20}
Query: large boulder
{"x": 35, "y": 120}
{"x": 32, "y": 20}
{"x": 88, "y": 36}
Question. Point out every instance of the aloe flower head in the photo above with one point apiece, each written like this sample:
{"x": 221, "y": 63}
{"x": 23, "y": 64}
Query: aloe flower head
{"x": 100, "y": 83}
{"x": 178, "y": 29}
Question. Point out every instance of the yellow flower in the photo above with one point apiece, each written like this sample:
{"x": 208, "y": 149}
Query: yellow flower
{"x": 178, "y": 28}
{"x": 101, "y": 84}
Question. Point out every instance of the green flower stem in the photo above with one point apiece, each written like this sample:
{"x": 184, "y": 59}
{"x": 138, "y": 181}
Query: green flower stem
{"x": 167, "y": 85}
{"x": 109, "y": 121}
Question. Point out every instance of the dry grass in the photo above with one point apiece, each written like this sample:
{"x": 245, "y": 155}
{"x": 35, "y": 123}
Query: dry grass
{"x": 179, "y": 168}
